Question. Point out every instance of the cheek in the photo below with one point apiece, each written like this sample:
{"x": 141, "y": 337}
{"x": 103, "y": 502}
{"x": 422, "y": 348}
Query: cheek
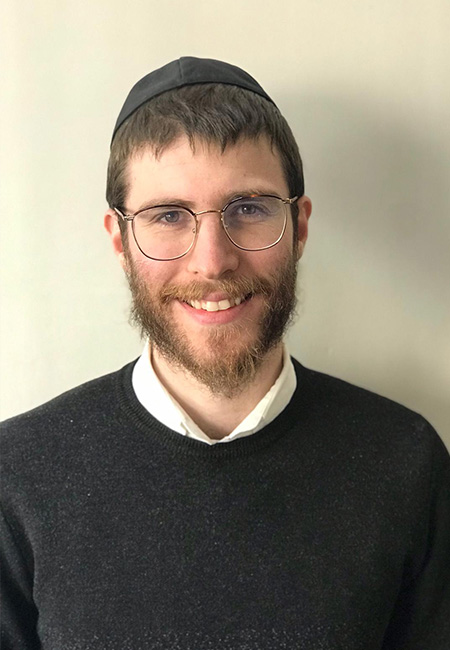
{"x": 274, "y": 259}
{"x": 156, "y": 275}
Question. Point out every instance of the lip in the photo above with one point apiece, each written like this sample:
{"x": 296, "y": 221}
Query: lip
{"x": 215, "y": 317}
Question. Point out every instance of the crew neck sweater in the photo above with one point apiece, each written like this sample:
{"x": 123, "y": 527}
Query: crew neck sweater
{"x": 329, "y": 529}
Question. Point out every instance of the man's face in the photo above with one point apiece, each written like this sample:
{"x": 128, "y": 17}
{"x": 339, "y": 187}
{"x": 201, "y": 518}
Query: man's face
{"x": 223, "y": 348}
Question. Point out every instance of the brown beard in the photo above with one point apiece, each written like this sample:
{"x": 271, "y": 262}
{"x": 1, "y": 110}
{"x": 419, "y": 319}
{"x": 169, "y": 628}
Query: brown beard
{"x": 225, "y": 367}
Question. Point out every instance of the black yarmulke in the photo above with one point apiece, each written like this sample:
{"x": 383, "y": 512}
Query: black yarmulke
{"x": 186, "y": 71}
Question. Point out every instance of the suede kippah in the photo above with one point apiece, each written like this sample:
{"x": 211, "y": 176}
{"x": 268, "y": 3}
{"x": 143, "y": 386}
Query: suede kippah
{"x": 186, "y": 71}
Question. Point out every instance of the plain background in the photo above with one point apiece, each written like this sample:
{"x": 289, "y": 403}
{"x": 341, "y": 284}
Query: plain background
{"x": 365, "y": 86}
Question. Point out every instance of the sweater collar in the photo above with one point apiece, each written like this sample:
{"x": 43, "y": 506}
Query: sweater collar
{"x": 159, "y": 402}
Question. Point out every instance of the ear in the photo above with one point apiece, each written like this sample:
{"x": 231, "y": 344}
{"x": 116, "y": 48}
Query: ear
{"x": 304, "y": 212}
{"x": 112, "y": 227}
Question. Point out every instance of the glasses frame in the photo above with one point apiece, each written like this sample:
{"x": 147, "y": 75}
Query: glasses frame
{"x": 131, "y": 218}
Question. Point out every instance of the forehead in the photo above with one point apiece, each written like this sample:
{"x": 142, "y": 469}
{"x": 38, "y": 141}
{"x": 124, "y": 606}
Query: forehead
{"x": 200, "y": 171}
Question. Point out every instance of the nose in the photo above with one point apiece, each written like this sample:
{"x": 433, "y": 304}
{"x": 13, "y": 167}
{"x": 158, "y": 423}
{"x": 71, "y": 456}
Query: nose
{"x": 213, "y": 255}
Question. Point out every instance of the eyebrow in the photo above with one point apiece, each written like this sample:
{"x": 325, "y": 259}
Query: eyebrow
{"x": 173, "y": 200}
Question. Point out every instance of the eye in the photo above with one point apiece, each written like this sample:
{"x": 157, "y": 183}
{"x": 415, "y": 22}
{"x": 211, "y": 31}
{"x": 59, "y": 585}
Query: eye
{"x": 164, "y": 216}
{"x": 251, "y": 207}
{"x": 171, "y": 216}
{"x": 245, "y": 208}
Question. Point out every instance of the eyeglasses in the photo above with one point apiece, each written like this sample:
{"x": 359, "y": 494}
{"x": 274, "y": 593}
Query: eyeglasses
{"x": 167, "y": 232}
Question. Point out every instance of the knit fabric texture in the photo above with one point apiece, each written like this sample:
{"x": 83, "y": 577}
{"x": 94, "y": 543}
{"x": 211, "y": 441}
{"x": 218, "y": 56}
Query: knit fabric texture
{"x": 327, "y": 530}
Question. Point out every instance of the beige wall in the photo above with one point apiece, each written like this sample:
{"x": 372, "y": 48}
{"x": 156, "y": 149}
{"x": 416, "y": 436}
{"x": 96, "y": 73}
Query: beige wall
{"x": 365, "y": 86}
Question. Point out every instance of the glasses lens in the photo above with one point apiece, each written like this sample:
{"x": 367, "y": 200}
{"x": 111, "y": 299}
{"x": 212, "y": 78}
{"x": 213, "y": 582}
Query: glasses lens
{"x": 255, "y": 222}
{"x": 165, "y": 232}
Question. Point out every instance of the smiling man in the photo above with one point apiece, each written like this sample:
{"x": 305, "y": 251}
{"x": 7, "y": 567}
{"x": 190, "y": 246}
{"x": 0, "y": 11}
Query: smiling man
{"x": 215, "y": 493}
{"x": 219, "y": 289}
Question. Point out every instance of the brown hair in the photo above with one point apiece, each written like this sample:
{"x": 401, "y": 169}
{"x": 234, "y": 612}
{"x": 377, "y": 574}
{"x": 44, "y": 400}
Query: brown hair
{"x": 215, "y": 113}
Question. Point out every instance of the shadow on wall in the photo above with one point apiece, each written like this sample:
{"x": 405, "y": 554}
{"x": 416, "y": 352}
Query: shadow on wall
{"x": 384, "y": 182}
{"x": 378, "y": 257}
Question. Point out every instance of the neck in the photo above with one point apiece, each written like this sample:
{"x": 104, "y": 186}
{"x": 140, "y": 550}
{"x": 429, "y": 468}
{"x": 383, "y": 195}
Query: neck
{"x": 217, "y": 415}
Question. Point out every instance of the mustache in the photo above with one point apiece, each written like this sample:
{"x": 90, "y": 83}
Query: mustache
{"x": 233, "y": 287}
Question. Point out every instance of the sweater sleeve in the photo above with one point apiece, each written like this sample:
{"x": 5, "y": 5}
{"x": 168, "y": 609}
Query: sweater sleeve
{"x": 19, "y": 613}
{"x": 422, "y": 614}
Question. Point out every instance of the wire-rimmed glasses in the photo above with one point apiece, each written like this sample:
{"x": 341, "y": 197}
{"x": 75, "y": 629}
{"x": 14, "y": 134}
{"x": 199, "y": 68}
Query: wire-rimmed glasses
{"x": 168, "y": 232}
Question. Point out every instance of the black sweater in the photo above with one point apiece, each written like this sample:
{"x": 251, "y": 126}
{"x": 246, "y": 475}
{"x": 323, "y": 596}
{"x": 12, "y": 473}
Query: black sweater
{"x": 329, "y": 529}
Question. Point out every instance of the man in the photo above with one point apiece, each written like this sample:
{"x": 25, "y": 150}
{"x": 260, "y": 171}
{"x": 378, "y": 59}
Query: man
{"x": 215, "y": 493}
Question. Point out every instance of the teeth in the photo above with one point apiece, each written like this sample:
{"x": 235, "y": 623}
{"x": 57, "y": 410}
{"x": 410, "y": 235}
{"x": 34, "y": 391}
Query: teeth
{"x": 211, "y": 305}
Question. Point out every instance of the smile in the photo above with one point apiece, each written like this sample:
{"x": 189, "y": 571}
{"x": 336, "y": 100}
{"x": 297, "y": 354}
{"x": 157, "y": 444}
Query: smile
{"x": 221, "y": 305}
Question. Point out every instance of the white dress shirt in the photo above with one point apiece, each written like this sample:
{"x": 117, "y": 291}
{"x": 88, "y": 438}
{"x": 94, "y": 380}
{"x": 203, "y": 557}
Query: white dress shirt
{"x": 158, "y": 401}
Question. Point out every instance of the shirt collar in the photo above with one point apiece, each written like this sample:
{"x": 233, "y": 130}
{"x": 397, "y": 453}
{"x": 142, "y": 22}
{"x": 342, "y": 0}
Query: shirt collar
{"x": 157, "y": 400}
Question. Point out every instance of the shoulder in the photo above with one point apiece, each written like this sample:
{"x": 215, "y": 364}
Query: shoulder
{"x": 84, "y": 407}
{"x": 383, "y": 450}
{"x": 364, "y": 418}
{"x": 343, "y": 399}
